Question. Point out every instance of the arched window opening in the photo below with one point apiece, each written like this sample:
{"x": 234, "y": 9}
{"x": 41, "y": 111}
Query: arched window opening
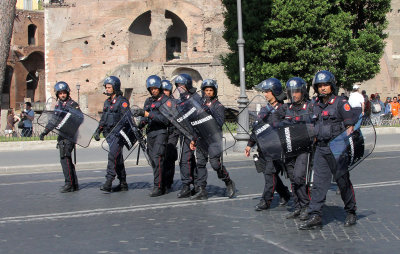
{"x": 31, "y": 84}
{"x": 176, "y": 40}
{"x": 31, "y": 34}
{"x": 140, "y": 40}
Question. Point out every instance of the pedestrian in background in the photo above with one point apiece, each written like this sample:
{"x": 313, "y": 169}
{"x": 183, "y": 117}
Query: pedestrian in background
{"x": 367, "y": 106}
{"x": 376, "y": 109}
{"x": 388, "y": 109}
{"x": 357, "y": 103}
{"x": 394, "y": 107}
{"x": 27, "y": 117}
{"x": 12, "y": 119}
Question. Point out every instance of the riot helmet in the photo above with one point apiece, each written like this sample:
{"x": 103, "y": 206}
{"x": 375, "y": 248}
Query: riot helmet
{"x": 185, "y": 80}
{"x": 210, "y": 83}
{"x": 115, "y": 82}
{"x": 166, "y": 85}
{"x": 273, "y": 85}
{"x": 325, "y": 77}
{"x": 153, "y": 81}
{"x": 294, "y": 86}
{"x": 61, "y": 86}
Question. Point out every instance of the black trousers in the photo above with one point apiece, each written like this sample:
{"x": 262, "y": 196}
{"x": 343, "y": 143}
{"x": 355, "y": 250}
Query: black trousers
{"x": 171, "y": 155}
{"x": 65, "y": 147}
{"x": 203, "y": 155}
{"x": 324, "y": 167}
{"x": 273, "y": 182}
{"x": 115, "y": 165}
{"x": 156, "y": 144}
{"x": 297, "y": 170}
{"x": 187, "y": 163}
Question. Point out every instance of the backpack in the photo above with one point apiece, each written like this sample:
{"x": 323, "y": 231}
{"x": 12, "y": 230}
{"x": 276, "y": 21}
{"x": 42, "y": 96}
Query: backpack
{"x": 376, "y": 107}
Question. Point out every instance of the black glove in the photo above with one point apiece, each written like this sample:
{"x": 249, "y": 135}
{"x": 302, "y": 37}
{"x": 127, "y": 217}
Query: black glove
{"x": 41, "y": 136}
{"x": 138, "y": 112}
{"x": 96, "y": 135}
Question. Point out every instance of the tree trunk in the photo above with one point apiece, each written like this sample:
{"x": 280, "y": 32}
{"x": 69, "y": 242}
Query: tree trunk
{"x": 7, "y": 15}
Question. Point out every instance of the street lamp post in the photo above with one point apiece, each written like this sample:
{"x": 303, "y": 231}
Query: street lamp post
{"x": 242, "y": 135}
{"x": 78, "y": 87}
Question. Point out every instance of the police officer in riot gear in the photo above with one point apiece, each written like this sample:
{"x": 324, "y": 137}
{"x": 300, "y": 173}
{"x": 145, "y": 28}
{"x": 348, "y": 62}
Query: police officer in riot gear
{"x": 171, "y": 152}
{"x": 157, "y": 132}
{"x": 297, "y": 111}
{"x": 274, "y": 94}
{"x": 212, "y": 105}
{"x": 64, "y": 104}
{"x": 188, "y": 169}
{"x": 332, "y": 115}
{"x": 115, "y": 106}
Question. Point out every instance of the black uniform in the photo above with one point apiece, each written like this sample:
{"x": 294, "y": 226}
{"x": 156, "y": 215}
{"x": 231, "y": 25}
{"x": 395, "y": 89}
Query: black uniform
{"x": 187, "y": 163}
{"x": 331, "y": 119}
{"x": 297, "y": 166}
{"x": 273, "y": 167}
{"x": 217, "y": 110}
{"x": 64, "y": 144}
{"x": 157, "y": 136}
{"x": 171, "y": 155}
{"x": 113, "y": 111}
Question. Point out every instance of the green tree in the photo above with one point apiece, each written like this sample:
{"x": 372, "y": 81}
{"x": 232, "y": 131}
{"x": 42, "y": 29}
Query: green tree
{"x": 301, "y": 37}
{"x": 254, "y": 14}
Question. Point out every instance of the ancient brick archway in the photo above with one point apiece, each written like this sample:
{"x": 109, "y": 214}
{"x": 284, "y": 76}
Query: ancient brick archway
{"x": 196, "y": 76}
{"x": 157, "y": 36}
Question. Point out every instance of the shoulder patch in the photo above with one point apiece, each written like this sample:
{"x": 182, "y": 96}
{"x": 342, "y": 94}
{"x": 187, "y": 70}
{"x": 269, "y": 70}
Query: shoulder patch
{"x": 347, "y": 107}
{"x": 169, "y": 104}
{"x": 125, "y": 104}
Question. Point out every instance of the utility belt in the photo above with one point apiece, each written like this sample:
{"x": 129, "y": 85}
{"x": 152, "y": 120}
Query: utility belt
{"x": 322, "y": 143}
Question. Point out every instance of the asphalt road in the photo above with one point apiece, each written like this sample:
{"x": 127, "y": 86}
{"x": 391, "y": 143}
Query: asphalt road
{"x": 36, "y": 218}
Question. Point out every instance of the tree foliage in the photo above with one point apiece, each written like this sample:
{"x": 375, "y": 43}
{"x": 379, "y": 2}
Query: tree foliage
{"x": 297, "y": 38}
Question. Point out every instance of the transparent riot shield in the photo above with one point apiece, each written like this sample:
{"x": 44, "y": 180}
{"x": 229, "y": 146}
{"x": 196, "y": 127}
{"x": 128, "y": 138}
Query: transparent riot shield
{"x": 350, "y": 150}
{"x": 170, "y": 111}
{"x": 205, "y": 127}
{"x": 278, "y": 140}
{"x": 68, "y": 122}
{"x": 126, "y": 135}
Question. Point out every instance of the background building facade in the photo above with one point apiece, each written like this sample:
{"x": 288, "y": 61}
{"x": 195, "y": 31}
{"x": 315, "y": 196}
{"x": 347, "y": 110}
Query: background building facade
{"x": 89, "y": 40}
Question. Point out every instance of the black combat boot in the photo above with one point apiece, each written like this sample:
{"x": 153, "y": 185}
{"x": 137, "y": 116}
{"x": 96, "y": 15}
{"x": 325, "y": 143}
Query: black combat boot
{"x": 351, "y": 219}
{"x": 185, "y": 192}
{"x": 230, "y": 188}
{"x": 304, "y": 214}
{"x": 296, "y": 213}
{"x": 157, "y": 192}
{"x": 200, "y": 195}
{"x": 122, "y": 186}
{"x": 284, "y": 200}
{"x": 262, "y": 205}
{"x": 76, "y": 187}
{"x": 315, "y": 222}
{"x": 67, "y": 188}
{"x": 107, "y": 186}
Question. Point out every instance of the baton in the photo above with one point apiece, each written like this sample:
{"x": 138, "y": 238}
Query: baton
{"x": 138, "y": 153}
{"x": 309, "y": 172}
{"x": 74, "y": 154}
